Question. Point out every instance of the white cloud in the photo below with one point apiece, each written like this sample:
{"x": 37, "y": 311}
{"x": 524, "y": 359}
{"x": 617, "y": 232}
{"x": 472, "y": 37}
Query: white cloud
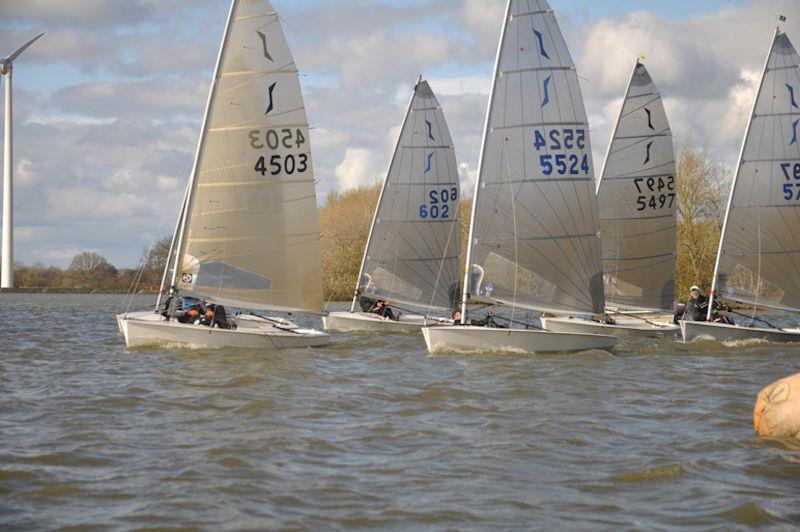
{"x": 108, "y": 119}
{"x": 25, "y": 173}
{"x": 168, "y": 183}
{"x": 707, "y": 68}
{"x": 358, "y": 168}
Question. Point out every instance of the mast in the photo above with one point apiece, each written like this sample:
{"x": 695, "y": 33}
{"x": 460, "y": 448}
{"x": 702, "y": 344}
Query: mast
{"x": 190, "y": 191}
{"x": 171, "y": 250}
{"x": 736, "y": 177}
{"x": 465, "y": 297}
{"x": 357, "y": 292}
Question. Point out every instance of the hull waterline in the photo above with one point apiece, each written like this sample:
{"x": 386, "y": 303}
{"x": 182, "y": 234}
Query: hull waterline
{"x": 638, "y": 330}
{"x": 723, "y": 332}
{"x": 472, "y": 338}
{"x": 150, "y": 329}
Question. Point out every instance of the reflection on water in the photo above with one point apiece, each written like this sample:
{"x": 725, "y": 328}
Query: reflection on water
{"x": 371, "y": 431}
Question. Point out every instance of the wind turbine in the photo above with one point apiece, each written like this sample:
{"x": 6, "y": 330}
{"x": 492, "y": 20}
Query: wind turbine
{"x": 7, "y": 274}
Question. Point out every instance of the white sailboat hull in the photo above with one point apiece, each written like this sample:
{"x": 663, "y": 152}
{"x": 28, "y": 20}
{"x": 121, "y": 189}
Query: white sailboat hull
{"x": 723, "y": 332}
{"x": 579, "y": 325}
{"x": 151, "y": 329}
{"x": 364, "y": 321}
{"x": 472, "y": 338}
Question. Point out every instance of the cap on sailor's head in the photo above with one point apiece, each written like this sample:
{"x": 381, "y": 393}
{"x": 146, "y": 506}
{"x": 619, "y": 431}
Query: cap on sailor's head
{"x": 694, "y": 287}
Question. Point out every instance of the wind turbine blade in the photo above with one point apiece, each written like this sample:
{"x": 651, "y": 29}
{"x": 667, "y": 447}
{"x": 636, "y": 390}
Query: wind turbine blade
{"x": 22, "y": 48}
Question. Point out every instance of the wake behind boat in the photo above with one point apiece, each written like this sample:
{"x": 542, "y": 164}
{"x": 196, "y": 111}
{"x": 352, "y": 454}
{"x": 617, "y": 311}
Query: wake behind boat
{"x": 248, "y": 233}
{"x": 530, "y": 247}
{"x": 412, "y": 255}
{"x": 757, "y": 261}
{"x": 637, "y": 204}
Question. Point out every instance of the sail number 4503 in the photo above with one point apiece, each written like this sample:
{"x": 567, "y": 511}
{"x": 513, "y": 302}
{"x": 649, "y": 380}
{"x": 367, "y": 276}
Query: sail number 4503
{"x": 282, "y": 163}
{"x": 273, "y": 139}
{"x": 559, "y": 140}
{"x": 791, "y": 191}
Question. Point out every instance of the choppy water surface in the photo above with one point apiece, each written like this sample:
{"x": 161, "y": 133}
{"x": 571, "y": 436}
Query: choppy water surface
{"x": 373, "y": 432}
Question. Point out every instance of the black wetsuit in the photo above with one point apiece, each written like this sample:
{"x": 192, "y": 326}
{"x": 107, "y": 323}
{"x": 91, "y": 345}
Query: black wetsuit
{"x": 366, "y": 304}
{"x": 696, "y": 309}
{"x": 384, "y": 311}
{"x": 488, "y": 321}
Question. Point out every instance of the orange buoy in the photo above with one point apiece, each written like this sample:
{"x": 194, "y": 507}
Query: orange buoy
{"x": 777, "y": 410}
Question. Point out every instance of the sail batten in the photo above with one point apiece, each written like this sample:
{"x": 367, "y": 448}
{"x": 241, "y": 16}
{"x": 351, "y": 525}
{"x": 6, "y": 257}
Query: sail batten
{"x": 637, "y": 199}
{"x": 757, "y": 258}
{"x": 250, "y": 235}
{"x": 533, "y": 233}
{"x": 413, "y": 250}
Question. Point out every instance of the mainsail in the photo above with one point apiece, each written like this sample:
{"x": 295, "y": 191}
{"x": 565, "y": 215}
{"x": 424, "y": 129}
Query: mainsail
{"x": 759, "y": 255}
{"x": 413, "y": 252}
{"x": 636, "y": 201}
{"x": 534, "y": 229}
{"x": 250, "y": 235}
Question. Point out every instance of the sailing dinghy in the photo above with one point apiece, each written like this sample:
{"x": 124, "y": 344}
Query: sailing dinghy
{"x": 636, "y": 203}
{"x": 533, "y": 232}
{"x": 758, "y": 262}
{"x": 412, "y": 255}
{"x": 248, "y": 233}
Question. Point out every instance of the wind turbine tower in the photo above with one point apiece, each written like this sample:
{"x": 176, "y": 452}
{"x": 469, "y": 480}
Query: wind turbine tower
{"x": 7, "y": 268}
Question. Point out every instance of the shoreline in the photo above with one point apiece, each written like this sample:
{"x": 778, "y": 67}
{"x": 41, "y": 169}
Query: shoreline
{"x": 73, "y": 291}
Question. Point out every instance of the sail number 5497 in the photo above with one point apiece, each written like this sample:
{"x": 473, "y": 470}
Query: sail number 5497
{"x": 791, "y": 191}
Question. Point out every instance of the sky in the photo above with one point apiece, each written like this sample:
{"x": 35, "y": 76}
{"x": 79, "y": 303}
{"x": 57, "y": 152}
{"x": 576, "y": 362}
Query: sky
{"x": 108, "y": 105}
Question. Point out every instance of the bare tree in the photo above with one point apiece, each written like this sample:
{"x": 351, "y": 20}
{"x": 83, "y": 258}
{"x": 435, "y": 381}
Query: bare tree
{"x": 702, "y": 192}
{"x": 91, "y": 270}
{"x": 154, "y": 260}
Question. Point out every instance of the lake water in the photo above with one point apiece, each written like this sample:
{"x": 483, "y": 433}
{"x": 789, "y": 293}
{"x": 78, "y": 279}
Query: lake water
{"x": 373, "y": 432}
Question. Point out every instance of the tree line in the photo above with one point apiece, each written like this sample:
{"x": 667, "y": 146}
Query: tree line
{"x": 702, "y": 193}
{"x": 345, "y": 219}
{"x": 90, "y": 271}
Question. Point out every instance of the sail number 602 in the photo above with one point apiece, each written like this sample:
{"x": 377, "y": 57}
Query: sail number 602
{"x": 438, "y": 206}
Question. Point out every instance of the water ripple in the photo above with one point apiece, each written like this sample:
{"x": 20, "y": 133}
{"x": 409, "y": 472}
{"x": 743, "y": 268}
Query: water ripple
{"x": 373, "y": 432}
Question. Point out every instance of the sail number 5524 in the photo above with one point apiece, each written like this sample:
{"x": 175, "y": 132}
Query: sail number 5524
{"x": 555, "y": 140}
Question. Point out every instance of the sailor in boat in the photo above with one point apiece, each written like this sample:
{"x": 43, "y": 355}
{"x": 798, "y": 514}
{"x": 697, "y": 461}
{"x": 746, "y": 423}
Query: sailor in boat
{"x": 194, "y": 311}
{"x": 382, "y": 308}
{"x": 488, "y": 321}
{"x": 187, "y": 310}
{"x": 215, "y": 316}
{"x": 697, "y": 308}
{"x": 366, "y": 304}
